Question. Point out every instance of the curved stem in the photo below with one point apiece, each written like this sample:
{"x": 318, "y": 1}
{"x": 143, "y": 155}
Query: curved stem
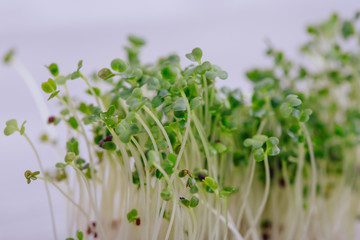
{"x": 195, "y": 223}
{"x": 46, "y": 186}
{"x": 186, "y": 134}
{"x": 252, "y": 173}
{"x": 92, "y": 202}
{"x": 160, "y": 126}
{"x": 231, "y": 226}
{"x": 265, "y": 198}
{"x": 148, "y": 132}
{"x": 66, "y": 196}
{"x": 35, "y": 93}
{"x": 314, "y": 178}
{"x": 92, "y": 92}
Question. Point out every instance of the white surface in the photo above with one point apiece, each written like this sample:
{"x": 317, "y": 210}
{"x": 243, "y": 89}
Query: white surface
{"x": 231, "y": 35}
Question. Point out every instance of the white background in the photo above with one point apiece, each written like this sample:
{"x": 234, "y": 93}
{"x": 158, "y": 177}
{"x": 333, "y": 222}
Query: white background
{"x": 232, "y": 34}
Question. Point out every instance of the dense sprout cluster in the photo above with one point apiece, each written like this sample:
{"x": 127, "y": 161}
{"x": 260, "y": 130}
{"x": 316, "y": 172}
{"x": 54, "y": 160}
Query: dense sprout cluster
{"x": 167, "y": 155}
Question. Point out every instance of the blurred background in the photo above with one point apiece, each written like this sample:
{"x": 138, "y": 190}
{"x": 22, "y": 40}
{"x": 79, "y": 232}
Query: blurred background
{"x": 232, "y": 34}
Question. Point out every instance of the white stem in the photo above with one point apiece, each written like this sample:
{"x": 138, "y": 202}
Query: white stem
{"x": 46, "y": 186}
{"x": 35, "y": 93}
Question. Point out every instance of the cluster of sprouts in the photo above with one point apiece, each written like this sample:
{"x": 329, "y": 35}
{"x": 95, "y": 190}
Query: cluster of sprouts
{"x": 167, "y": 155}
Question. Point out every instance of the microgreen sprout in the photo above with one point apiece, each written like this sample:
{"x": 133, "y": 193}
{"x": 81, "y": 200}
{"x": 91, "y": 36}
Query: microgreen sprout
{"x": 177, "y": 158}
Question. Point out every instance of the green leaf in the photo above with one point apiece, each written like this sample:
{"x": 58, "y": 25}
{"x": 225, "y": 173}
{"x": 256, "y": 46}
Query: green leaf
{"x": 124, "y": 134}
{"x": 195, "y": 102}
{"x": 153, "y": 157}
{"x": 285, "y": 110}
{"x": 293, "y": 100}
{"x": 305, "y": 115}
{"x": 211, "y": 183}
{"x": 228, "y": 191}
{"x": 80, "y": 64}
{"x": 170, "y": 73}
{"x": 109, "y": 122}
{"x": 61, "y": 80}
{"x": 75, "y": 75}
{"x": 49, "y": 86}
{"x": 9, "y": 55}
{"x": 194, "y": 201}
{"x": 105, "y": 73}
{"x": 191, "y": 182}
{"x": 261, "y": 138}
{"x": 79, "y": 235}
{"x": 190, "y": 57}
{"x": 223, "y": 75}
{"x": 132, "y": 215}
{"x": 211, "y": 75}
{"x": 73, "y": 123}
{"x": 54, "y": 70}
{"x": 273, "y": 151}
{"x": 69, "y": 157}
{"x": 22, "y": 129}
{"x": 347, "y": 29}
{"x": 220, "y": 148}
{"x": 137, "y": 41}
{"x": 180, "y": 105}
{"x": 185, "y": 202}
{"x": 248, "y": 142}
{"x": 53, "y": 95}
{"x": 194, "y": 190}
{"x": 166, "y": 194}
{"x": 259, "y": 154}
{"x": 172, "y": 158}
{"x": 109, "y": 146}
{"x": 11, "y": 127}
{"x": 73, "y": 146}
{"x": 119, "y": 65}
{"x": 60, "y": 165}
{"x": 197, "y": 53}
{"x": 273, "y": 141}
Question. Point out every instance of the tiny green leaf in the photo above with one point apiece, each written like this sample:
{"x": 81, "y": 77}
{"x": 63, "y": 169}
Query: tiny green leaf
{"x": 347, "y": 29}
{"x": 195, "y": 102}
{"x": 11, "y": 127}
{"x": 105, "y": 73}
{"x": 79, "y": 235}
{"x": 273, "y": 151}
{"x": 73, "y": 123}
{"x": 53, "y": 94}
{"x": 80, "y": 64}
{"x": 211, "y": 183}
{"x": 166, "y": 194}
{"x": 60, "y": 165}
{"x": 197, "y": 53}
{"x": 137, "y": 41}
{"x": 259, "y": 154}
{"x": 22, "y": 129}
{"x": 9, "y": 55}
{"x": 172, "y": 158}
{"x": 118, "y": 65}
{"x": 194, "y": 201}
{"x": 153, "y": 157}
{"x": 132, "y": 215}
{"x": 109, "y": 146}
{"x": 180, "y": 105}
{"x": 69, "y": 157}
{"x": 53, "y": 68}
{"x": 49, "y": 86}
{"x": 185, "y": 202}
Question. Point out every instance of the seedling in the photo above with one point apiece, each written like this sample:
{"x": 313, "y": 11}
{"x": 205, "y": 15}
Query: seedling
{"x": 161, "y": 153}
